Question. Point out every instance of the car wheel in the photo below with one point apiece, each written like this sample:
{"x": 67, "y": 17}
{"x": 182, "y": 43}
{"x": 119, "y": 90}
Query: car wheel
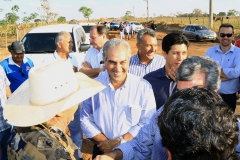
{"x": 197, "y": 39}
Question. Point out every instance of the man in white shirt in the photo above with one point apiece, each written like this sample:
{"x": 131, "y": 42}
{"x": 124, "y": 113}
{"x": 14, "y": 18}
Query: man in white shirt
{"x": 93, "y": 62}
{"x": 117, "y": 113}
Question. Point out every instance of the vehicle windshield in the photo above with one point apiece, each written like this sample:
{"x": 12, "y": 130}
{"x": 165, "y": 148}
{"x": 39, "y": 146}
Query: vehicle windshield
{"x": 87, "y": 28}
{"x": 41, "y": 43}
{"x": 136, "y": 23}
{"x": 114, "y": 24}
{"x": 201, "y": 28}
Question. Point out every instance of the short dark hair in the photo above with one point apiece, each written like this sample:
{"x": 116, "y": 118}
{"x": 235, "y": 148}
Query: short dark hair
{"x": 101, "y": 29}
{"x": 197, "y": 124}
{"x": 171, "y": 39}
{"x": 226, "y": 25}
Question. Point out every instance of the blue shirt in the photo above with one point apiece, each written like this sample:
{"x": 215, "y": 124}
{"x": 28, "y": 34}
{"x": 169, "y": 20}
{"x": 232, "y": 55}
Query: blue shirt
{"x": 4, "y": 83}
{"x": 15, "y": 73}
{"x": 147, "y": 144}
{"x": 116, "y": 112}
{"x": 230, "y": 63}
{"x": 163, "y": 86}
{"x": 137, "y": 68}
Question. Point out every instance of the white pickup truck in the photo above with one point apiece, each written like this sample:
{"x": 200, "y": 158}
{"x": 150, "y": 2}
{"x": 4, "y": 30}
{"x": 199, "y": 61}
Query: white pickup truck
{"x": 39, "y": 42}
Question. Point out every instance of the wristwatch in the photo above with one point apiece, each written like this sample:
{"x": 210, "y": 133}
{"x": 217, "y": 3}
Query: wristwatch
{"x": 122, "y": 140}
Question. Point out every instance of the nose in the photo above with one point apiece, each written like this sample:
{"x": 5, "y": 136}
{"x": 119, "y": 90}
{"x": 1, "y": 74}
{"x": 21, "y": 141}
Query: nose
{"x": 180, "y": 57}
{"x": 118, "y": 67}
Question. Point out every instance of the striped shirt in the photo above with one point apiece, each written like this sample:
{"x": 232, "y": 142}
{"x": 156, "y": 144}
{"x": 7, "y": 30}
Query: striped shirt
{"x": 94, "y": 57}
{"x": 139, "y": 69}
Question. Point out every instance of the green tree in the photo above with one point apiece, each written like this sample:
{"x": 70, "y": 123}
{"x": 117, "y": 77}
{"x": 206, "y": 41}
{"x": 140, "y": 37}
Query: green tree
{"x": 61, "y": 19}
{"x": 85, "y": 11}
{"x": 128, "y": 13}
{"x": 29, "y": 18}
{"x": 232, "y": 12}
{"x": 222, "y": 14}
{"x": 11, "y": 18}
{"x": 15, "y": 8}
{"x": 197, "y": 12}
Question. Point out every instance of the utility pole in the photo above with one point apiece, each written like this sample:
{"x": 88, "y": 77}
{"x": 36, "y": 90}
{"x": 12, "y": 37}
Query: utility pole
{"x": 147, "y": 11}
{"x": 211, "y": 14}
{"x": 133, "y": 12}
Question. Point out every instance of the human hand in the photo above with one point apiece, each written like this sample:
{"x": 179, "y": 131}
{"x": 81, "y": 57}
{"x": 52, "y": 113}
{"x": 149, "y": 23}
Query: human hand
{"x": 75, "y": 69}
{"x": 86, "y": 64}
{"x": 103, "y": 157}
{"x": 108, "y": 145}
{"x": 172, "y": 73}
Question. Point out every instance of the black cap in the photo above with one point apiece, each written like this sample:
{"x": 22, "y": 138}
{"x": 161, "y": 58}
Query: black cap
{"x": 17, "y": 47}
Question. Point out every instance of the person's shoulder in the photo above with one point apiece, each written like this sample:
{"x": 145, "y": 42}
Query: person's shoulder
{"x": 135, "y": 80}
{"x": 153, "y": 74}
{"x": 4, "y": 62}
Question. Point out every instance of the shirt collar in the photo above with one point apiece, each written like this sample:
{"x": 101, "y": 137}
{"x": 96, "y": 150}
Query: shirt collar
{"x": 138, "y": 60}
{"x": 126, "y": 83}
{"x": 11, "y": 62}
{"x": 56, "y": 56}
{"x": 230, "y": 50}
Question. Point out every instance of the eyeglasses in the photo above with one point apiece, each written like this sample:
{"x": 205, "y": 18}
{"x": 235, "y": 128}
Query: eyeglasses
{"x": 223, "y": 35}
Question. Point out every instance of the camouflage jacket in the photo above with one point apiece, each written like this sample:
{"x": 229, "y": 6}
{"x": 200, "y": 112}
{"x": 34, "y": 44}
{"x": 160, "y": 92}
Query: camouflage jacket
{"x": 40, "y": 143}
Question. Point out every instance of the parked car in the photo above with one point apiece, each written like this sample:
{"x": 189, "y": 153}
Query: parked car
{"x": 114, "y": 26}
{"x": 138, "y": 26}
{"x": 87, "y": 27}
{"x": 39, "y": 42}
{"x": 199, "y": 32}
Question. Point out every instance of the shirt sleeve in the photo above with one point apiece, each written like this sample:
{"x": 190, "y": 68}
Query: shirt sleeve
{"x": 88, "y": 125}
{"x": 5, "y": 79}
{"x": 140, "y": 147}
{"x": 149, "y": 108}
{"x": 234, "y": 71}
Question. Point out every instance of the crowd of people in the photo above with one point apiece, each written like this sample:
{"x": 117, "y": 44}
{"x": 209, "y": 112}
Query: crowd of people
{"x": 145, "y": 106}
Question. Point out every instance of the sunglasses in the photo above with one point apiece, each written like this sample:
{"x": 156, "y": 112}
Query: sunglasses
{"x": 223, "y": 35}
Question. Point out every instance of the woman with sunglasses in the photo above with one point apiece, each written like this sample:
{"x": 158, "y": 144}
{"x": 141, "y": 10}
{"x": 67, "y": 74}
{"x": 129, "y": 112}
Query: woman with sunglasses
{"x": 228, "y": 57}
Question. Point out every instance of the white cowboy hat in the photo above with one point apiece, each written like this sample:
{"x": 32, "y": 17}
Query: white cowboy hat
{"x": 50, "y": 89}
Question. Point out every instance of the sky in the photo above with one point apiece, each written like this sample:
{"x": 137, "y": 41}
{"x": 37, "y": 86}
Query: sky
{"x": 117, "y": 8}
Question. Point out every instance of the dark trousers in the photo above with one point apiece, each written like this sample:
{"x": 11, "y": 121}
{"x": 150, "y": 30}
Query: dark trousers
{"x": 4, "y": 136}
{"x": 230, "y": 99}
{"x": 96, "y": 151}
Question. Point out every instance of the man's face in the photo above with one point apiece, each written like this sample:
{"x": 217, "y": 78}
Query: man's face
{"x": 198, "y": 80}
{"x": 17, "y": 57}
{"x": 148, "y": 47}
{"x": 96, "y": 40}
{"x": 225, "y": 41}
{"x": 117, "y": 64}
{"x": 66, "y": 44}
{"x": 176, "y": 55}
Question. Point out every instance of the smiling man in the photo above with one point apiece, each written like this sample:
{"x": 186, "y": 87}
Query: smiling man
{"x": 174, "y": 50}
{"x": 17, "y": 65}
{"x": 146, "y": 60}
{"x": 193, "y": 71}
{"x": 228, "y": 57}
{"x": 116, "y": 114}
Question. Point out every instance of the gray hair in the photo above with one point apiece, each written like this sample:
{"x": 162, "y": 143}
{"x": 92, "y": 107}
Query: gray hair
{"x": 114, "y": 43}
{"x": 194, "y": 64}
{"x": 59, "y": 37}
{"x": 143, "y": 32}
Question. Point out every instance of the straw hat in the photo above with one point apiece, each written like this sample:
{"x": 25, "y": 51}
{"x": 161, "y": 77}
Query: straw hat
{"x": 50, "y": 89}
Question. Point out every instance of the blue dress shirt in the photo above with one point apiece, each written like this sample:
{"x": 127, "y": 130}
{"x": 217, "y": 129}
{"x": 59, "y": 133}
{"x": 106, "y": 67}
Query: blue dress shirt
{"x": 163, "y": 86}
{"x": 116, "y": 112}
{"x": 147, "y": 144}
{"x": 230, "y": 64}
{"x": 137, "y": 68}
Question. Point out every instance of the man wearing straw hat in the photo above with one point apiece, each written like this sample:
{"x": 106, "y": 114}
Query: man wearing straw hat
{"x": 42, "y": 107}
{"x": 64, "y": 44}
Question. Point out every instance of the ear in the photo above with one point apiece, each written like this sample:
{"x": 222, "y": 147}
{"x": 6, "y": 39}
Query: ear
{"x": 138, "y": 45}
{"x": 169, "y": 155}
{"x": 59, "y": 44}
{"x": 164, "y": 54}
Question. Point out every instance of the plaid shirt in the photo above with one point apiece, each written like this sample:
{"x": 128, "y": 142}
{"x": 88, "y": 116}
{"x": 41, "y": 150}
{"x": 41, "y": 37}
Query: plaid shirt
{"x": 4, "y": 82}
